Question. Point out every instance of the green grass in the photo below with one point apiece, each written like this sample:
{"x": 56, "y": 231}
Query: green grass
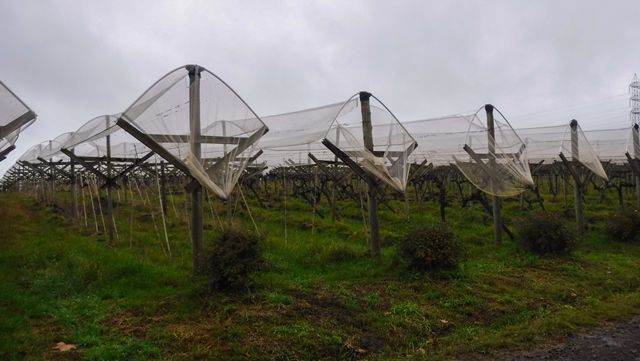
{"x": 320, "y": 297}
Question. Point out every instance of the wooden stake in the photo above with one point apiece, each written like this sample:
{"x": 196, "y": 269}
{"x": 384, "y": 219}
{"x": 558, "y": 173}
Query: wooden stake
{"x": 367, "y": 133}
{"x": 109, "y": 195}
{"x": 74, "y": 188}
{"x": 497, "y": 217}
{"x": 577, "y": 186}
{"x": 196, "y": 191}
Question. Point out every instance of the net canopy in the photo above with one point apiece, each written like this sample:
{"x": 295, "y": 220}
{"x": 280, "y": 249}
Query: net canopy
{"x": 633, "y": 142}
{"x": 576, "y": 147}
{"x": 90, "y": 140}
{"x": 441, "y": 139}
{"x": 7, "y": 143}
{"x": 292, "y": 136}
{"x": 496, "y": 161}
{"x": 13, "y": 112}
{"x": 198, "y": 118}
{"x": 54, "y": 146}
{"x": 387, "y": 155}
{"x": 15, "y": 116}
{"x": 95, "y": 128}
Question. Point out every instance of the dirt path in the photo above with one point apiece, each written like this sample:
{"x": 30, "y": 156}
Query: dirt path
{"x": 613, "y": 343}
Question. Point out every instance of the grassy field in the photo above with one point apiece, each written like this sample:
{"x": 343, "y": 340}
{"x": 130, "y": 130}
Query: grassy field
{"x": 320, "y": 296}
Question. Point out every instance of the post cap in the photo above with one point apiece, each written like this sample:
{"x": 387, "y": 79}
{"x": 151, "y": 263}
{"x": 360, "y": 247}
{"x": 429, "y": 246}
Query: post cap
{"x": 488, "y": 108}
{"x": 193, "y": 69}
{"x": 574, "y": 123}
{"x": 364, "y": 96}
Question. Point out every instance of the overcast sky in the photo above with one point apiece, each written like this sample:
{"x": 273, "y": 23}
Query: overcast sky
{"x": 539, "y": 62}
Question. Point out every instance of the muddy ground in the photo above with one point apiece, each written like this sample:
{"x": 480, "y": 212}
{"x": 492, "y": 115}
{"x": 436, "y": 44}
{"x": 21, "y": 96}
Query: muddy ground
{"x": 616, "y": 342}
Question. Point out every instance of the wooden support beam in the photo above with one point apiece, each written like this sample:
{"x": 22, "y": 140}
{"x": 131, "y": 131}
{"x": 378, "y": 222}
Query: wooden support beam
{"x": 52, "y": 165}
{"x": 346, "y": 159}
{"x": 6, "y": 151}
{"x": 153, "y": 145}
{"x": 35, "y": 169}
{"x": 207, "y": 139}
{"x": 86, "y": 165}
{"x": 133, "y": 166}
{"x": 15, "y": 124}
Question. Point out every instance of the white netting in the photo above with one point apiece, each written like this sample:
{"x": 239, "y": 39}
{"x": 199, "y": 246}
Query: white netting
{"x": 576, "y": 147}
{"x": 14, "y": 117}
{"x": 497, "y": 164}
{"x": 440, "y": 139}
{"x": 12, "y": 137}
{"x": 391, "y": 143}
{"x": 292, "y": 136}
{"x": 95, "y": 128}
{"x": 11, "y": 107}
{"x": 55, "y": 145}
{"x": 32, "y": 154}
{"x": 633, "y": 142}
{"x": 229, "y": 129}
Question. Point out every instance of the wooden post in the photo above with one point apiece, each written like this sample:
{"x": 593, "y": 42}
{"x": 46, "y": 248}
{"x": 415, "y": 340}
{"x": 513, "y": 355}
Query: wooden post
{"x": 577, "y": 187}
{"x": 109, "y": 198}
{"x": 334, "y": 207}
{"x": 53, "y": 180}
{"x": 163, "y": 188}
{"x": 497, "y": 217}
{"x": 636, "y": 156}
{"x": 195, "y": 146}
{"x": 367, "y": 132}
{"x": 74, "y": 188}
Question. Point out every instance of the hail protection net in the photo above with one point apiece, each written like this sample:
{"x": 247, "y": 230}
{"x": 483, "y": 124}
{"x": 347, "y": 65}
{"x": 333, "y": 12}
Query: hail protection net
{"x": 633, "y": 142}
{"x": 95, "y": 128}
{"x": 576, "y": 147}
{"x": 387, "y": 157}
{"x": 11, "y": 138}
{"x": 495, "y": 163}
{"x": 217, "y": 145}
{"x": 440, "y": 139}
{"x": 14, "y": 116}
{"x": 13, "y": 112}
{"x": 292, "y": 136}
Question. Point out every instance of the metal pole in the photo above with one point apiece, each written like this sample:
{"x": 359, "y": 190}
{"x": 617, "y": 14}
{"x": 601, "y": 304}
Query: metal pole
{"x": 367, "y": 132}
{"x": 195, "y": 146}
{"x": 577, "y": 188}
{"x": 497, "y": 217}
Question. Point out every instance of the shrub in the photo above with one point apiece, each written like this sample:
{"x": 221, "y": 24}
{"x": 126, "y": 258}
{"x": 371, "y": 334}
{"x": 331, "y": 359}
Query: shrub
{"x": 234, "y": 260}
{"x": 430, "y": 247}
{"x": 624, "y": 226}
{"x": 546, "y": 233}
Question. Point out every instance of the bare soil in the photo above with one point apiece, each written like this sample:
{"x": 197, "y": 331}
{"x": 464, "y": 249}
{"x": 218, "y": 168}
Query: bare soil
{"x": 616, "y": 342}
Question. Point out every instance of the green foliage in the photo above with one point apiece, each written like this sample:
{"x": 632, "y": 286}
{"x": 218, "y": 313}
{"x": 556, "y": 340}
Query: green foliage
{"x": 430, "y": 247}
{"x": 546, "y": 233}
{"x": 234, "y": 259}
{"x": 321, "y": 297}
{"x": 333, "y": 253}
{"x": 624, "y": 226}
